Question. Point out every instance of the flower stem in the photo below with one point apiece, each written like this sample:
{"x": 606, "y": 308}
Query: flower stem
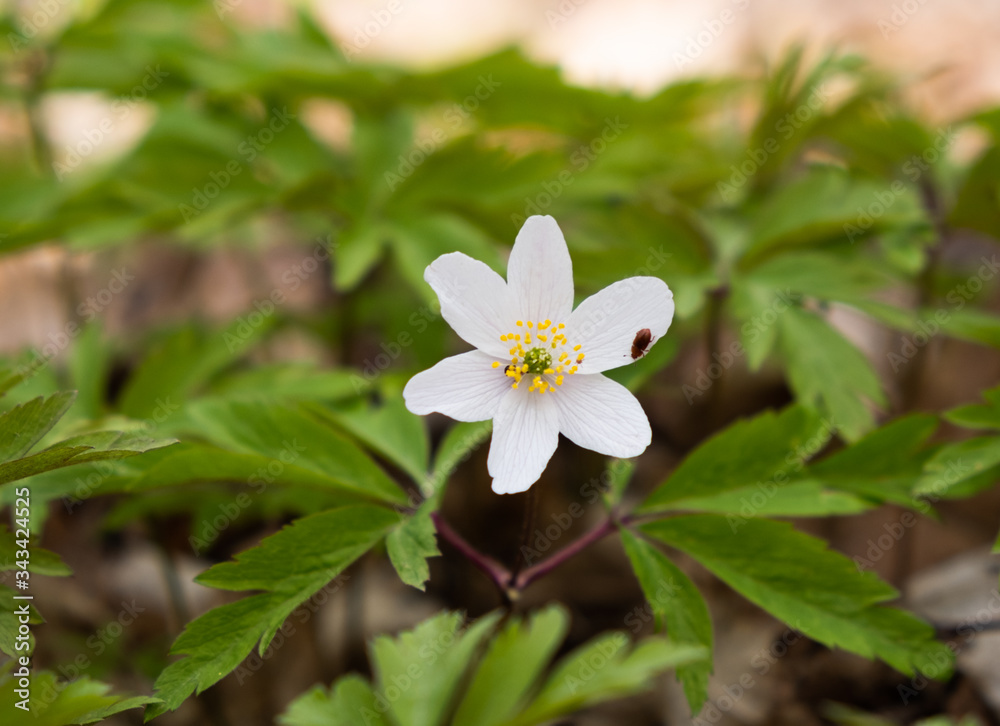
{"x": 530, "y": 507}
{"x": 531, "y": 574}
{"x": 493, "y": 569}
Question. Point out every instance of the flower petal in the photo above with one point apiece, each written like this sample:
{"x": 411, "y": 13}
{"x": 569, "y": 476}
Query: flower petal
{"x": 607, "y": 322}
{"x": 525, "y": 435}
{"x": 465, "y": 387}
{"x": 540, "y": 272}
{"x": 474, "y": 300}
{"x": 602, "y": 415}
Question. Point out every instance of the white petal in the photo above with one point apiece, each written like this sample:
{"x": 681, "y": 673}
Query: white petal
{"x": 607, "y": 322}
{"x": 601, "y": 415}
{"x": 465, "y": 387}
{"x": 525, "y": 435}
{"x": 540, "y": 272}
{"x": 474, "y": 300}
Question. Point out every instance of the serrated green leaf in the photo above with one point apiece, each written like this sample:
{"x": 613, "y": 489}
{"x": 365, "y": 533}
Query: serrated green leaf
{"x": 82, "y": 449}
{"x": 290, "y": 566}
{"x": 430, "y": 660}
{"x": 827, "y": 372}
{"x": 515, "y": 660}
{"x": 815, "y": 590}
{"x": 411, "y": 543}
{"x": 806, "y": 498}
{"x": 883, "y": 465}
{"x": 350, "y": 702}
{"x": 677, "y": 604}
{"x": 294, "y": 436}
{"x": 81, "y": 701}
{"x": 602, "y": 670}
{"x": 769, "y": 447}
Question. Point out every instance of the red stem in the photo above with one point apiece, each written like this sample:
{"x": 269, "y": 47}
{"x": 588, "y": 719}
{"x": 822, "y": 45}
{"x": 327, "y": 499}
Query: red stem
{"x": 493, "y": 569}
{"x": 545, "y": 566}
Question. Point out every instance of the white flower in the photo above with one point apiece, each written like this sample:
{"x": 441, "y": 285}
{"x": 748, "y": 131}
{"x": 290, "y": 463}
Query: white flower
{"x": 536, "y": 370}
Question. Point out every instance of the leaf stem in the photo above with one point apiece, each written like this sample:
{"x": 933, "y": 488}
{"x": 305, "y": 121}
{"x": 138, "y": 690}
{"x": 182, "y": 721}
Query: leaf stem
{"x": 531, "y": 574}
{"x": 493, "y": 569}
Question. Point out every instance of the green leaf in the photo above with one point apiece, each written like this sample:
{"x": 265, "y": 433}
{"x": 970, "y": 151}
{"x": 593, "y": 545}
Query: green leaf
{"x": 883, "y": 465}
{"x": 959, "y": 463}
{"x": 602, "y": 670}
{"x": 9, "y": 623}
{"x": 82, "y": 449}
{"x": 23, "y": 426}
{"x": 769, "y": 447}
{"x": 815, "y": 590}
{"x": 81, "y": 701}
{"x": 806, "y": 498}
{"x": 426, "y": 666}
{"x": 182, "y": 363}
{"x": 390, "y": 430}
{"x": 411, "y": 543}
{"x": 827, "y": 372}
{"x": 42, "y": 561}
{"x": 297, "y": 437}
{"x": 678, "y": 605}
{"x": 289, "y": 566}
{"x": 823, "y": 205}
{"x": 350, "y": 702}
{"x": 973, "y": 325}
{"x": 505, "y": 675}
{"x": 978, "y": 416}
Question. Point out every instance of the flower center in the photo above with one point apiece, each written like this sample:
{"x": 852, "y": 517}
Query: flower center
{"x": 540, "y": 353}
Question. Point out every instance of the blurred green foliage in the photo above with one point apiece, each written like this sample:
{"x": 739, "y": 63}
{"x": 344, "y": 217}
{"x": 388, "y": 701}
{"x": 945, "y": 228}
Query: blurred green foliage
{"x": 767, "y": 203}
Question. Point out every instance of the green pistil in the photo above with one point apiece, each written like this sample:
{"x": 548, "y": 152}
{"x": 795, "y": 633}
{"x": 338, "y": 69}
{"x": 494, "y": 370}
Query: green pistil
{"x": 538, "y": 360}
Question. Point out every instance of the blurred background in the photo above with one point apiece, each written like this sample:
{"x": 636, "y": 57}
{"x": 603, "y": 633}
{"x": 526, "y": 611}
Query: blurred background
{"x": 229, "y": 197}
